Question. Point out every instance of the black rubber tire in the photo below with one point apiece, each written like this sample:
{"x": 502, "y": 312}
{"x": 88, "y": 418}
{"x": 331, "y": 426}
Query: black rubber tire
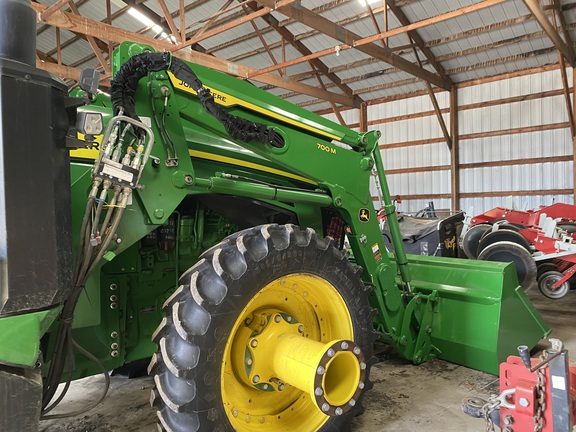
{"x": 545, "y": 282}
{"x": 212, "y": 295}
{"x": 512, "y": 252}
{"x": 502, "y": 234}
{"x": 472, "y": 238}
{"x": 569, "y": 227}
{"x": 545, "y": 267}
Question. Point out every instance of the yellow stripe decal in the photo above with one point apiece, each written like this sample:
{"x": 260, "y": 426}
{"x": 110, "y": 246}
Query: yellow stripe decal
{"x": 227, "y": 100}
{"x": 239, "y": 162}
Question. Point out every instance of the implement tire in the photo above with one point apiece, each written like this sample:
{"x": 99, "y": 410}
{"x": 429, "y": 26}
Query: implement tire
{"x": 200, "y": 383}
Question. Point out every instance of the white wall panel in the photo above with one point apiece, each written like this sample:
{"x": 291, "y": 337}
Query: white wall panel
{"x": 508, "y": 147}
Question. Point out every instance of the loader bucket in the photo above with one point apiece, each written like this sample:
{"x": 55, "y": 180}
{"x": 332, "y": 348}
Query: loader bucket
{"x": 482, "y": 315}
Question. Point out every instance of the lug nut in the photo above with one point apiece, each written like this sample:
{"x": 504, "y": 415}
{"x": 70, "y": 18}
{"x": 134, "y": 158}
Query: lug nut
{"x": 356, "y": 351}
{"x": 344, "y": 345}
{"x": 351, "y": 402}
{"x": 277, "y": 318}
{"x": 362, "y": 365}
{"x": 318, "y": 391}
{"x": 254, "y": 343}
{"x": 330, "y": 352}
{"x": 325, "y": 407}
{"x": 235, "y": 413}
{"x": 256, "y": 379}
{"x": 360, "y": 385}
{"x": 300, "y": 328}
{"x": 338, "y": 411}
{"x": 320, "y": 370}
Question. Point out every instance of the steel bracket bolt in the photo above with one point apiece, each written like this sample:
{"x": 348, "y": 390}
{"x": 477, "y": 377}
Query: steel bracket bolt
{"x": 256, "y": 379}
{"x": 113, "y": 298}
{"x": 113, "y": 287}
{"x": 254, "y": 343}
{"x": 300, "y": 328}
{"x": 524, "y": 402}
{"x": 114, "y": 353}
{"x": 113, "y": 305}
{"x": 508, "y": 419}
{"x": 114, "y": 335}
{"x": 277, "y": 318}
{"x": 188, "y": 179}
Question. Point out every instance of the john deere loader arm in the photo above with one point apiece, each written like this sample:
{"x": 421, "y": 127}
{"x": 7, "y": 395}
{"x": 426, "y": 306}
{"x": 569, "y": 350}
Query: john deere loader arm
{"x": 273, "y": 328}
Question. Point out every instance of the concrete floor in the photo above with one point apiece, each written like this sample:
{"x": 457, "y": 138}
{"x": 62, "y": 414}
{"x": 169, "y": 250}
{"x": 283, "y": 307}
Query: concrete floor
{"x": 405, "y": 397}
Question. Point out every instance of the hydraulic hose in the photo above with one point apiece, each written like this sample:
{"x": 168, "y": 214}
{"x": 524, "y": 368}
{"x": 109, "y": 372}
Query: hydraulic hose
{"x": 125, "y": 82}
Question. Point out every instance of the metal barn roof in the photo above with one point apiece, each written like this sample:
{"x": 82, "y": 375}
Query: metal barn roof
{"x": 318, "y": 54}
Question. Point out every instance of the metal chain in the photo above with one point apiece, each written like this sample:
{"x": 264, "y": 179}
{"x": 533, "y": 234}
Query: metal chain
{"x": 540, "y": 396}
{"x": 487, "y": 410}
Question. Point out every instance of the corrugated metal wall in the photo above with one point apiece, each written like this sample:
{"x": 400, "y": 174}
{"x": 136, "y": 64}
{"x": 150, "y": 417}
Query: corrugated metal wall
{"x": 476, "y": 182}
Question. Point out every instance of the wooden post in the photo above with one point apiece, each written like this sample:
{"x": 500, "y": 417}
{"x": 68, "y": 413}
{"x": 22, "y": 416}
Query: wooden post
{"x": 454, "y": 152}
{"x": 574, "y": 137}
{"x": 363, "y": 121}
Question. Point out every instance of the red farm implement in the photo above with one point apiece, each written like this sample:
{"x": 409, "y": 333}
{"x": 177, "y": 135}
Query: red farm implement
{"x": 539, "y": 242}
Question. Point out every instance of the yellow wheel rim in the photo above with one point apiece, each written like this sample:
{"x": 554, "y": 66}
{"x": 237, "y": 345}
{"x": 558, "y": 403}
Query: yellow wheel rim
{"x": 311, "y": 301}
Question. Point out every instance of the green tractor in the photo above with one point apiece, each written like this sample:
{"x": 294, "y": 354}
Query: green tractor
{"x": 226, "y": 234}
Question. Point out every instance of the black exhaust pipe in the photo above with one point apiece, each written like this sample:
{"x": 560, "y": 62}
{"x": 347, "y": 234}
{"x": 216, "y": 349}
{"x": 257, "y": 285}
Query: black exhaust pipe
{"x": 17, "y": 31}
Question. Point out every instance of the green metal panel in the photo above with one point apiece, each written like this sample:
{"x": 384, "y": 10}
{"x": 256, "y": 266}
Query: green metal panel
{"x": 482, "y": 314}
{"x": 20, "y": 336}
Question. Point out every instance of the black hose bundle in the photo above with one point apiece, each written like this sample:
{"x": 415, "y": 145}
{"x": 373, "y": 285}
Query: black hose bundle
{"x": 126, "y": 80}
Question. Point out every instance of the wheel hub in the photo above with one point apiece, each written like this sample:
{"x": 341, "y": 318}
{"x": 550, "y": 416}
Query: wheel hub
{"x": 277, "y": 354}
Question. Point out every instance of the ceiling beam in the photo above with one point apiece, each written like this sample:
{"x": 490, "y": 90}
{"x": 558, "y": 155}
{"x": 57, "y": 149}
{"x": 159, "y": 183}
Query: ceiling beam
{"x": 113, "y": 34}
{"x": 235, "y": 23}
{"x": 535, "y": 8}
{"x": 66, "y": 72}
{"x": 289, "y": 37}
{"x": 329, "y": 28}
{"x": 417, "y": 39}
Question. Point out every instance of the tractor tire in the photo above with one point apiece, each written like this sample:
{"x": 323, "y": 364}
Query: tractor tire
{"x": 546, "y": 282}
{"x": 472, "y": 238}
{"x": 201, "y": 367}
{"x": 506, "y": 251}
